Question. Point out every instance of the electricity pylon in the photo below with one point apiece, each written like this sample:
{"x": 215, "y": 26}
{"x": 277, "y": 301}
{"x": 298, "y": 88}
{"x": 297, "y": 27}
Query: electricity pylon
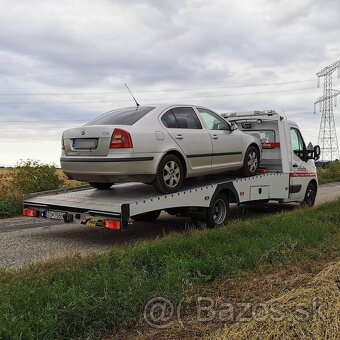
{"x": 327, "y": 134}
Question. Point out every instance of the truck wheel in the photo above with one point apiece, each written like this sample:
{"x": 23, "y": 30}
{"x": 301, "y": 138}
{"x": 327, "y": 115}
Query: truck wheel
{"x": 310, "y": 196}
{"x": 170, "y": 174}
{"x": 147, "y": 217}
{"x": 101, "y": 186}
{"x": 251, "y": 162}
{"x": 217, "y": 213}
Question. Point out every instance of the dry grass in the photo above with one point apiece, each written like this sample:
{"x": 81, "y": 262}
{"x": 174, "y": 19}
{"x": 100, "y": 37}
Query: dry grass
{"x": 68, "y": 182}
{"x": 5, "y": 176}
{"x": 299, "y": 320}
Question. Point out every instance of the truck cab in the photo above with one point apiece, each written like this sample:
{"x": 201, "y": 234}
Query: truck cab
{"x": 283, "y": 150}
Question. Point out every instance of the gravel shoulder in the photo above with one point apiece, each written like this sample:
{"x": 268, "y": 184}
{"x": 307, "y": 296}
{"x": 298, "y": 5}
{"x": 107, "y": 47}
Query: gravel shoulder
{"x": 27, "y": 240}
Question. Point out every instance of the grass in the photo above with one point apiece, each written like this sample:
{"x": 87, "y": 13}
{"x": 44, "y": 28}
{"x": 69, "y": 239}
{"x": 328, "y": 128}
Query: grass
{"x": 82, "y": 297}
{"x": 329, "y": 174}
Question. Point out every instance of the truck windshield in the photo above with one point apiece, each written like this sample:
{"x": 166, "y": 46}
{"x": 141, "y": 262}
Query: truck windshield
{"x": 126, "y": 116}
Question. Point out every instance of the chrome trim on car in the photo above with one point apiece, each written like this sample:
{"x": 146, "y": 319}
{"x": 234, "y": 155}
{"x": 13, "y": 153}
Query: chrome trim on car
{"x": 215, "y": 154}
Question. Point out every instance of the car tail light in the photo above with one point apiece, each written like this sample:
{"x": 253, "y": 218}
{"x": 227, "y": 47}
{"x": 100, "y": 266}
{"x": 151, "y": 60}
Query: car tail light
{"x": 62, "y": 144}
{"x": 120, "y": 139}
{"x": 30, "y": 212}
{"x": 111, "y": 224}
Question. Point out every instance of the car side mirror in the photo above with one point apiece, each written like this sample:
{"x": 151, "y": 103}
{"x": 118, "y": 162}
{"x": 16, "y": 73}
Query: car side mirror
{"x": 233, "y": 126}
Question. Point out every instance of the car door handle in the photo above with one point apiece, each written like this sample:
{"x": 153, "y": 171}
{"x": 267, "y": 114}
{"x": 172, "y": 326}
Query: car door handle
{"x": 180, "y": 137}
{"x": 295, "y": 165}
{"x": 214, "y": 137}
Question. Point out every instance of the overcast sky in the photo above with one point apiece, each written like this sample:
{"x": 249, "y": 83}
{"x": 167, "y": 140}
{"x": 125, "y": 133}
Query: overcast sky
{"x": 64, "y": 62}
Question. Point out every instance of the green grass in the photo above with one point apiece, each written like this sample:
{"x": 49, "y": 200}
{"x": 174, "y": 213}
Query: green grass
{"x": 82, "y": 297}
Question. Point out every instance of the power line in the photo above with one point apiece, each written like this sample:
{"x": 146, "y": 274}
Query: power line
{"x": 156, "y": 99}
{"x": 152, "y": 91}
{"x": 88, "y": 119}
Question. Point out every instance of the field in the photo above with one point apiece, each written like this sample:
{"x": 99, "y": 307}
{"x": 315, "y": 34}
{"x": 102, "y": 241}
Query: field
{"x": 105, "y": 295}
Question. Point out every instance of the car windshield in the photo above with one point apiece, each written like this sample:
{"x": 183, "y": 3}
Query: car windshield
{"x": 126, "y": 116}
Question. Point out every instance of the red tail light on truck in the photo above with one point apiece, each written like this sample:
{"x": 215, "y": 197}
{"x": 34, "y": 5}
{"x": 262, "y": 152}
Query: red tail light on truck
{"x": 120, "y": 139}
{"x": 30, "y": 212}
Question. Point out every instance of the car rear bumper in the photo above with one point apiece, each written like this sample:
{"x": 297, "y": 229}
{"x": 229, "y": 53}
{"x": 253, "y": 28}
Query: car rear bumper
{"x": 111, "y": 169}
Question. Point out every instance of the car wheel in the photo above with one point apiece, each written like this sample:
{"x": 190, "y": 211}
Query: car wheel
{"x": 147, "y": 217}
{"x": 251, "y": 162}
{"x": 310, "y": 196}
{"x": 170, "y": 174}
{"x": 101, "y": 186}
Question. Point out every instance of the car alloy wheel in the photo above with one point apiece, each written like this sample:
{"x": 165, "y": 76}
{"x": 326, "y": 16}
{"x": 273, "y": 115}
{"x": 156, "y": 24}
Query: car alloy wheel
{"x": 170, "y": 174}
{"x": 251, "y": 161}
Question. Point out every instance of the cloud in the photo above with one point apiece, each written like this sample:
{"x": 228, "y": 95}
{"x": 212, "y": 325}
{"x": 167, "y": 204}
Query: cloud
{"x": 73, "y": 54}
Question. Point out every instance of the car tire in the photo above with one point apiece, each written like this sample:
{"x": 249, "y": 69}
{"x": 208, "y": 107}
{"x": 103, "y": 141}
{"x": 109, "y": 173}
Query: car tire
{"x": 147, "y": 217}
{"x": 309, "y": 199}
{"x": 251, "y": 162}
{"x": 170, "y": 174}
{"x": 101, "y": 186}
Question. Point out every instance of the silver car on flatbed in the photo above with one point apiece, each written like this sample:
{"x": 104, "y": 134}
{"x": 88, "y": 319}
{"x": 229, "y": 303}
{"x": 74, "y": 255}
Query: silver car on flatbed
{"x": 158, "y": 144}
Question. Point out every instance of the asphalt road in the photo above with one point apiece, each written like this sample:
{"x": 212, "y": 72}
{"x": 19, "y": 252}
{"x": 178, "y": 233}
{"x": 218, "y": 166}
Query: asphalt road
{"x": 27, "y": 240}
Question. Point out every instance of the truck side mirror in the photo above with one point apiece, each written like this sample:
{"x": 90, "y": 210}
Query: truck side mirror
{"x": 233, "y": 126}
{"x": 317, "y": 152}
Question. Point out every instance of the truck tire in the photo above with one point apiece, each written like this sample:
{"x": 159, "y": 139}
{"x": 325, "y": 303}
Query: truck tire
{"x": 101, "y": 186}
{"x": 170, "y": 174}
{"x": 251, "y": 162}
{"x": 218, "y": 212}
{"x": 310, "y": 195}
{"x": 147, "y": 217}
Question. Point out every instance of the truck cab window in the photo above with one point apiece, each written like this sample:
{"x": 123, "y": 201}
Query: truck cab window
{"x": 298, "y": 145}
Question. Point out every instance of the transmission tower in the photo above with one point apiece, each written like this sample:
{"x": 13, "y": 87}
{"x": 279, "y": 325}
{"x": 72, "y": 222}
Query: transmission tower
{"x": 327, "y": 134}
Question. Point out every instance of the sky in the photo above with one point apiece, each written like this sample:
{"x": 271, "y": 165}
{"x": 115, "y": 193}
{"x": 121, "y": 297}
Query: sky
{"x": 64, "y": 62}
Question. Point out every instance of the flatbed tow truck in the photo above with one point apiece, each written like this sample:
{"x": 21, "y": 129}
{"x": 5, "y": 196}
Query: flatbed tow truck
{"x": 287, "y": 174}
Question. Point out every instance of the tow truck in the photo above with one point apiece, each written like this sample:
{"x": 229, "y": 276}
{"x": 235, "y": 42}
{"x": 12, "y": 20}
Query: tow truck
{"x": 287, "y": 174}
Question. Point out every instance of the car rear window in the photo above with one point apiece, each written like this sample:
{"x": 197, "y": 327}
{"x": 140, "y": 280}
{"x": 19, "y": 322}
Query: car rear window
{"x": 127, "y": 116}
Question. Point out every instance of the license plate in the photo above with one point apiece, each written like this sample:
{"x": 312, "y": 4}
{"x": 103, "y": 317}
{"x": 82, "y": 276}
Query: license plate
{"x": 84, "y": 143}
{"x": 55, "y": 215}
{"x": 92, "y": 222}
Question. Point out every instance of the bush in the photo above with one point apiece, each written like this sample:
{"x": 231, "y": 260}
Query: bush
{"x": 27, "y": 177}
{"x": 334, "y": 169}
{"x": 9, "y": 208}
{"x": 331, "y": 173}
{"x": 31, "y": 176}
